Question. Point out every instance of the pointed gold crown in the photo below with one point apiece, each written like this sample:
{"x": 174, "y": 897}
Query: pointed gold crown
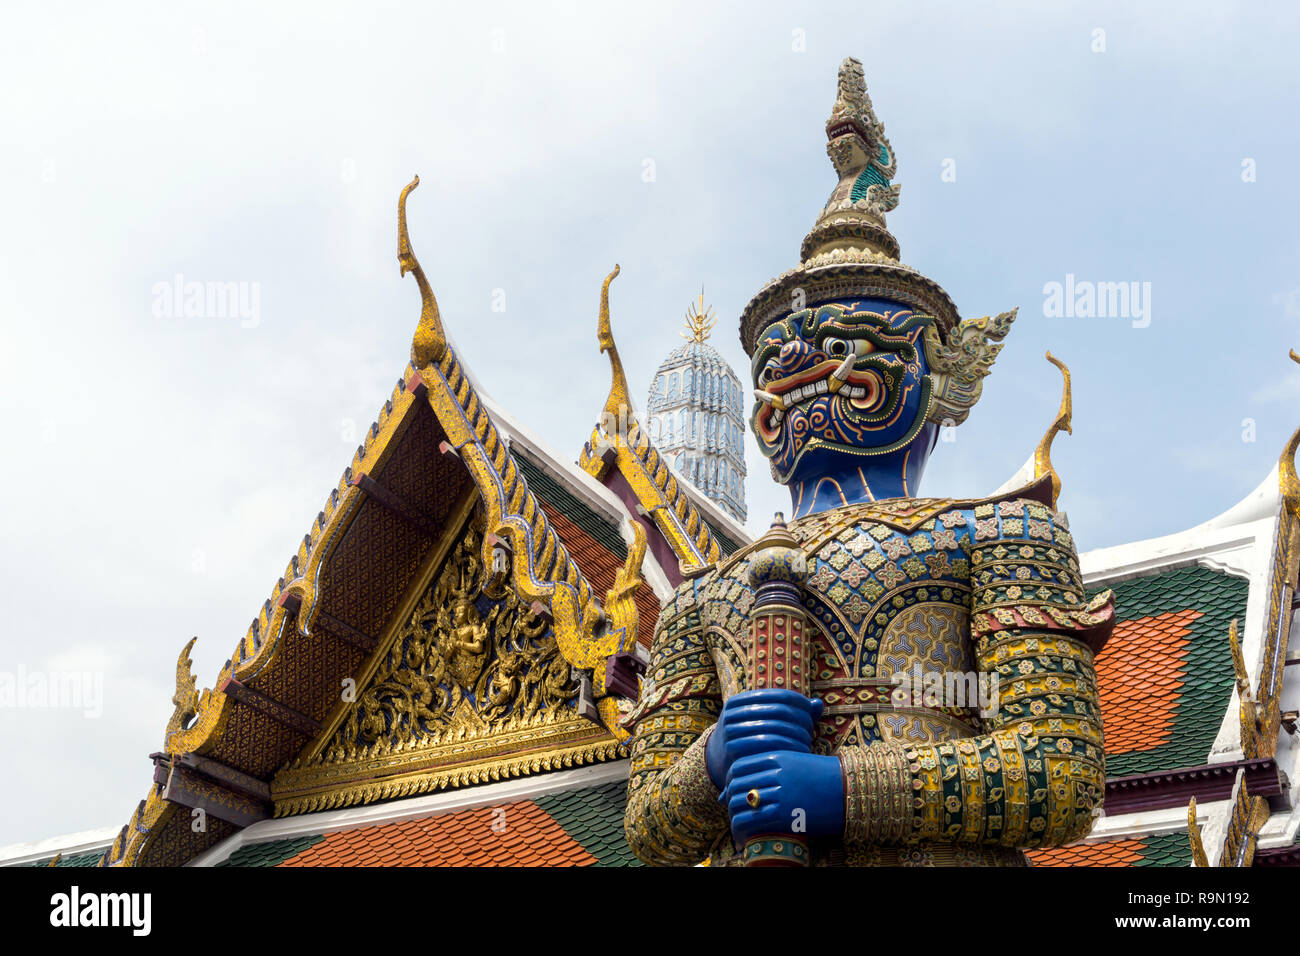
{"x": 849, "y": 252}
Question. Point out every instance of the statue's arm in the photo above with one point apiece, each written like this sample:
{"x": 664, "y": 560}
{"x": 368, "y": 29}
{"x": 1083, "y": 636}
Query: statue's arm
{"x": 673, "y": 816}
{"x": 1036, "y": 775}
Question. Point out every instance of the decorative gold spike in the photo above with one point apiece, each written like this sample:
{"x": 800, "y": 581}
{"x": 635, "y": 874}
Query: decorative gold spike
{"x": 1287, "y": 467}
{"x": 1249, "y": 706}
{"x": 699, "y": 321}
{"x": 674, "y": 515}
{"x": 1043, "y": 453}
{"x": 623, "y": 615}
{"x": 57, "y": 857}
{"x": 619, "y": 402}
{"x": 1238, "y": 662}
{"x": 430, "y": 341}
{"x": 620, "y": 605}
{"x": 186, "y": 698}
{"x": 1194, "y": 836}
{"x": 1249, "y": 814}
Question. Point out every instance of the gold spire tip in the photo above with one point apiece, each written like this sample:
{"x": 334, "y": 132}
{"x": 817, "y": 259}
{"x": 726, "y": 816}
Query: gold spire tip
{"x": 699, "y": 321}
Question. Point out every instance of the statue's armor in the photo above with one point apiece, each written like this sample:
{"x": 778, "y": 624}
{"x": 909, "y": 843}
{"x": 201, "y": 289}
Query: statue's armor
{"x": 908, "y": 588}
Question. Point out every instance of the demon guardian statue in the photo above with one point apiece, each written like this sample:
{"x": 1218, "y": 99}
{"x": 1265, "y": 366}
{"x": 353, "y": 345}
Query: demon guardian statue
{"x": 888, "y": 679}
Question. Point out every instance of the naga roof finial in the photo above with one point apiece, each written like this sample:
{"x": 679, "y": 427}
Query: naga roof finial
{"x": 1043, "y": 453}
{"x": 187, "y": 700}
{"x": 619, "y": 401}
{"x": 429, "y": 343}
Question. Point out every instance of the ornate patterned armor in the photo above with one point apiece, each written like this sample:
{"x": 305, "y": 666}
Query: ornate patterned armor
{"x": 930, "y": 589}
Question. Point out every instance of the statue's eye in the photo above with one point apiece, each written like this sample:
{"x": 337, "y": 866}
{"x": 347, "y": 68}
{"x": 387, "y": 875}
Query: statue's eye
{"x": 836, "y": 348}
{"x": 764, "y": 376}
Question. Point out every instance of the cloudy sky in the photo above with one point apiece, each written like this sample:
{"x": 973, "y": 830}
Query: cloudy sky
{"x": 162, "y": 468}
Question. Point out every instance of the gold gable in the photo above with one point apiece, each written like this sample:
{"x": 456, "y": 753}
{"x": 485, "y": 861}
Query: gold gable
{"x": 468, "y": 686}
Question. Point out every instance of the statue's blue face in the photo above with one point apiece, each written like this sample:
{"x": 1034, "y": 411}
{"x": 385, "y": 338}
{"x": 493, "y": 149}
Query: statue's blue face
{"x": 843, "y": 380}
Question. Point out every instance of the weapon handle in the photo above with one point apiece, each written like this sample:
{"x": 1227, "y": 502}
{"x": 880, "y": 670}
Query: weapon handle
{"x": 777, "y": 659}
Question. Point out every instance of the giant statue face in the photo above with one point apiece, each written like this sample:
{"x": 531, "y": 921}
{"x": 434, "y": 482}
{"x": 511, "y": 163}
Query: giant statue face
{"x": 841, "y": 380}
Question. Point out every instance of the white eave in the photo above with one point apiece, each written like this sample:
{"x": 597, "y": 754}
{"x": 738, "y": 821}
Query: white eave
{"x": 71, "y": 844}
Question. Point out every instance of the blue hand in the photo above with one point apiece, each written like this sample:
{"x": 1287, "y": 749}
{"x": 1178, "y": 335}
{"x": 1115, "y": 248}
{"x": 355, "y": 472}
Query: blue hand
{"x": 799, "y": 793}
{"x": 759, "y": 721}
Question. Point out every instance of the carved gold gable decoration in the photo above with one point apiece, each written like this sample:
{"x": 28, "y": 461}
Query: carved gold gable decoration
{"x": 470, "y": 686}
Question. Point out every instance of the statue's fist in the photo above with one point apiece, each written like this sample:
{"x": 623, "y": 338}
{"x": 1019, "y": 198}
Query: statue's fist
{"x": 782, "y": 792}
{"x": 759, "y": 721}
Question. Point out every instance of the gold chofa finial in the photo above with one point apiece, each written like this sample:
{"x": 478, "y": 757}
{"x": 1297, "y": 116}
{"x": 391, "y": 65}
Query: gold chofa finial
{"x": 699, "y": 321}
{"x": 429, "y": 343}
{"x": 1287, "y": 466}
{"x": 619, "y": 402}
{"x": 1043, "y": 453}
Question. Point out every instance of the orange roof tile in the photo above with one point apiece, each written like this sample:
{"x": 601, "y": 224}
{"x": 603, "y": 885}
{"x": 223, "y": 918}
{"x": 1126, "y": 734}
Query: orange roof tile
{"x": 1107, "y": 853}
{"x": 512, "y": 834}
{"x": 1140, "y": 677}
{"x": 600, "y": 566}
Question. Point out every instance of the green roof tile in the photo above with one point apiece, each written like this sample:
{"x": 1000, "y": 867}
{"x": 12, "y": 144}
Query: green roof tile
{"x": 554, "y": 494}
{"x": 724, "y": 542}
{"x": 1207, "y": 668}
{"x": 271, "y": 853}
{"x": 1169, "y": 849}
{"x": 77, "y": 859}
{"x": 594, "y": 818}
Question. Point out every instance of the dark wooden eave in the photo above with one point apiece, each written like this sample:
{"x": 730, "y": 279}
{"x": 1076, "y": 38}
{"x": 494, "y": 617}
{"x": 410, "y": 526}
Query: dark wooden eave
{"x": 396, "y": 504}
{"x": 218, "y": 790}
{"x": 1207, "y": 783}
{"x": 269, "y": 707}
{"x": 332, "y": 625}
{"x": 1278, "y": 856}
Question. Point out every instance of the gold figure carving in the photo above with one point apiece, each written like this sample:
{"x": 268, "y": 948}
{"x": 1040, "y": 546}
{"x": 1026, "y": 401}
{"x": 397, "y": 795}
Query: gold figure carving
{"x": 471, "y": 687}
{"x": 513, "y": 516}
{"x": 454, "y": 668}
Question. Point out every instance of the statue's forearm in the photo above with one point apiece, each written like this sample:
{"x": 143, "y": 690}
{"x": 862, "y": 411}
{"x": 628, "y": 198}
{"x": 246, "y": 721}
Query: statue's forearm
{"x": 1033, "y": 780}
{"x": 673, "y": 816}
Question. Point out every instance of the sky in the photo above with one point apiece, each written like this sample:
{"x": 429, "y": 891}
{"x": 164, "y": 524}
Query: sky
{"x": 162, "y": 466}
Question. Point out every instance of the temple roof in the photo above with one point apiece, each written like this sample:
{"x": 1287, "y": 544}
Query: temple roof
{"x": 580, "y": 825}
{"x": 1165, "y": 675}
{"x": 1167, "y": 849}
